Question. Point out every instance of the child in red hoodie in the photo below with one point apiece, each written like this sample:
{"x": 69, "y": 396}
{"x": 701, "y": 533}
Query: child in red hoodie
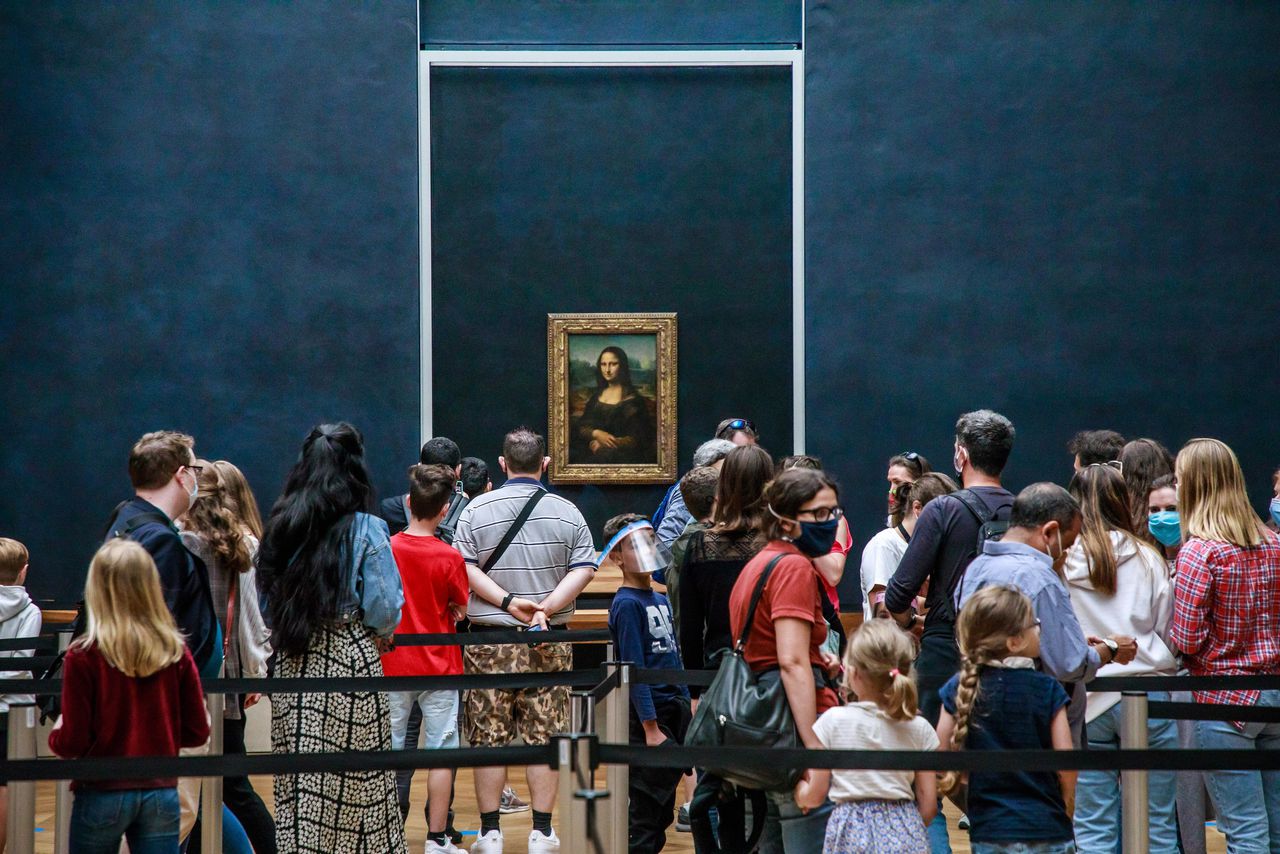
{"x": 130, "y": 688}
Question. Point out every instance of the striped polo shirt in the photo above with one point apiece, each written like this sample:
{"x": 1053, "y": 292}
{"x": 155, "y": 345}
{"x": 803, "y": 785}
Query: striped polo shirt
{"x": 553, "y": 541}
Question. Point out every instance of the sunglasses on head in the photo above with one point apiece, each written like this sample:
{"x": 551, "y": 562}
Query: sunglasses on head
{"x": 909, "y": 456}
{"x": 741, "y": 424}
{"x": 1110, "y": 464}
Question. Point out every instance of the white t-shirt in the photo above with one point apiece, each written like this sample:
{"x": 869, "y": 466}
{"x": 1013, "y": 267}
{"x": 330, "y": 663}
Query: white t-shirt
{"x": 879, "y": 560}
{"x": 864, "y": 726}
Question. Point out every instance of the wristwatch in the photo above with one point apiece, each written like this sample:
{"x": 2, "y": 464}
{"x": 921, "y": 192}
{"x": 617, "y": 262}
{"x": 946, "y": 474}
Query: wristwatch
{"x": 1113, "y": 646}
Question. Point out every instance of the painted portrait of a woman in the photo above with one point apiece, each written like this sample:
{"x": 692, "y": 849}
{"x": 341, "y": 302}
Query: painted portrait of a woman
{"x": 617, "y": 425}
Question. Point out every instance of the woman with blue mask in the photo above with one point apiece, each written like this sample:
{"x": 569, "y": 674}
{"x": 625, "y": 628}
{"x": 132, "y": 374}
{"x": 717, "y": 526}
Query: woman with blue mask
{"x": 787, "y": 632}
{"x": 1163, "y": 523}
{"x": 1274, "y": 522}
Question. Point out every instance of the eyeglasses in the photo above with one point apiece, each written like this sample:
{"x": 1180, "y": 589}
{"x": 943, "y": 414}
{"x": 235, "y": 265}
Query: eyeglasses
{"x": 909, "y": 456}
{"x": 741, "y": 424}
{"x": 822, "y": 514}
{"x": 195, "y": 469}
{"x": 1034, "y": 624}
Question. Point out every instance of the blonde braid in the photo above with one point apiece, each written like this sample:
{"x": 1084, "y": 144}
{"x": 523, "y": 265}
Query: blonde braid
{"x": 987, "y": 621}
{"x": 966, "y": 698}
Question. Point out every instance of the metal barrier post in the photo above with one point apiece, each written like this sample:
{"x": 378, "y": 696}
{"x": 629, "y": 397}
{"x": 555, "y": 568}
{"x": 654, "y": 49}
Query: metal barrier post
{"x": 211, "y": 787}
{"x": 582, "y": 712}
{"x": 573, "y": 754}
{"x": 616, "y": 729}
{"x": 20, "y": 837}
{"x": 62, "y": 796}
{"x": 1133, "y": 784}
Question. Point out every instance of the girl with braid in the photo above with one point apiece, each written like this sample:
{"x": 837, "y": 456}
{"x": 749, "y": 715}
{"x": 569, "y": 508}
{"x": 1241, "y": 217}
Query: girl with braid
{"x": 999, "y": 701}
{"x": 876, "y": 811}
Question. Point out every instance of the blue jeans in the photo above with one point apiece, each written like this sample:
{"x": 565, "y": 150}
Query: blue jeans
{"x": 1023, "y": 848}
{"x": 1247, "y": 802}
{"x": 1097, "y": 818}
{"x": 795, "y": 832}
{"x": 148, "y": 818}
{"x": 439, "y": 717}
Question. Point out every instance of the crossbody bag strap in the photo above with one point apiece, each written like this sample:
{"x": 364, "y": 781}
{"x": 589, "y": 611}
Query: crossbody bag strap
{"x": 755, "y": 601}
{"x": 509, "y": 537}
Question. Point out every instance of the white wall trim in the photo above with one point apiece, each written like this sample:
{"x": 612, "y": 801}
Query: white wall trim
{"x": 621, "y": 59}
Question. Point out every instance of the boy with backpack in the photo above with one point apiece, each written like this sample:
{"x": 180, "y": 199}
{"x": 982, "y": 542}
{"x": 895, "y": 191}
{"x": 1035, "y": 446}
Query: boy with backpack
{"x": 640, "y": 622}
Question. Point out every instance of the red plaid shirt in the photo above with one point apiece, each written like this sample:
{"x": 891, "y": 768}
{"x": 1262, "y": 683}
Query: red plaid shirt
{"x": 1226, "y": 613}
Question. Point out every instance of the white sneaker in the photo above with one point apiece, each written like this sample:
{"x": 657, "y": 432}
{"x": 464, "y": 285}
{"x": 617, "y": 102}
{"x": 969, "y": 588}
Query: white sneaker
{"x": 490, "y": 843}
{"x": 448, "y": 848}
{"x": 539, "y": 843}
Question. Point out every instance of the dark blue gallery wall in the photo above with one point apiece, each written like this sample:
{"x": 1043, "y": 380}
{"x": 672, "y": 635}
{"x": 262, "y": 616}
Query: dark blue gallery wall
{"x": 1067, "y": 212}
{"x": 502, "y": 24}
{"x": 209, "y": 224}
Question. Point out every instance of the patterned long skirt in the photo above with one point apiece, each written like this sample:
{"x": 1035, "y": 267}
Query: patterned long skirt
{"x": 351, "y": 811}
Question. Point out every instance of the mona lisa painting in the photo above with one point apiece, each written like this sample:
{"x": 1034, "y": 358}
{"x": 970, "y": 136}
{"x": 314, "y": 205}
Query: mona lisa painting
{"x": 611, "y": 395}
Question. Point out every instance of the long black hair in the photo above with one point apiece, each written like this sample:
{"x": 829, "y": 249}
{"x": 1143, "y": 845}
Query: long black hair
{"x": 624, "y": 370}
{"x": 306, "y": 544}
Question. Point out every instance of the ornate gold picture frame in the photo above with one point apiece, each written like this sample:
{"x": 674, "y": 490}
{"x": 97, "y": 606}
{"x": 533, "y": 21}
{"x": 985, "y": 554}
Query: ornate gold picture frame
{"x": 611, "y": 397}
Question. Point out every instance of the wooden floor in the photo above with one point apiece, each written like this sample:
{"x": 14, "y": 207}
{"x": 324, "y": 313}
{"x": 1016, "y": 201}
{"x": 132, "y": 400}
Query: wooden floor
{"x": 515, "y": 827}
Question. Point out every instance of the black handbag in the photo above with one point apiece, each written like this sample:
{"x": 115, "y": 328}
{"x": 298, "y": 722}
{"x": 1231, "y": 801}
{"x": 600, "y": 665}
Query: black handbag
{"x": 741, "y": 710}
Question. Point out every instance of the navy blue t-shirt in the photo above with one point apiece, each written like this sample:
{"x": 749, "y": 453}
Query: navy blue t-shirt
{"x": 640, "y": 621}
{"x": 1014, "y": 710}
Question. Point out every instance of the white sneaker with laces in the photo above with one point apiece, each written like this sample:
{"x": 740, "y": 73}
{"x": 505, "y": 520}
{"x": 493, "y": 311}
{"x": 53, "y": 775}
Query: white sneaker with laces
{"x": 490, "y": 843}
{"x": 447, "y": 848}
{"x": 540, "y": 843}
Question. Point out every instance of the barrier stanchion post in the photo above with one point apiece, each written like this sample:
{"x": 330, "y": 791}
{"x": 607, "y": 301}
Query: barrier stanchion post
{"x": 20, "y": 837}
{"x": 1133, "y": 784}
{"x": 211, "y": 787}
{"x": 617, "y": 730}
{"x": 62, "y": 795}
{"x": 573, "y": 754}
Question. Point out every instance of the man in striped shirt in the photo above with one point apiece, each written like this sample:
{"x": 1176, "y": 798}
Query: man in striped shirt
{"x": 532, "y": 585}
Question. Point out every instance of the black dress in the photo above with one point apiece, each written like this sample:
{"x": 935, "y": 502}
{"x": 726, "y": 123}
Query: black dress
{"x": 628, "y": 420}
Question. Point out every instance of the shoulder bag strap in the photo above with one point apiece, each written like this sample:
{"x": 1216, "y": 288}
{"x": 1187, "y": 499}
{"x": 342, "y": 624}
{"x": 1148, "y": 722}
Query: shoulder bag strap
{"x": 525, "y": 512}
{"x": 755, "y": 601}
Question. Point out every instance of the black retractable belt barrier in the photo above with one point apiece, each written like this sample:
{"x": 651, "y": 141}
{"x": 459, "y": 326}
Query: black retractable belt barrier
{"x": 957, "y": 760}
{"x": 1184, "y": 683}
{"x": 599, "y": 692}
{"x": 149, "y": 767}
{"x": 355, "y": 684}
{"x": 36, "y": 644}
{"x": 502, "y": 636}
{"x": 1213, "y": 712}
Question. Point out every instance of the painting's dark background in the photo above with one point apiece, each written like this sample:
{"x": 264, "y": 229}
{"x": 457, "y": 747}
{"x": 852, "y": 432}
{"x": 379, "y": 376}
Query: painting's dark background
{"x": 209, "y": 221}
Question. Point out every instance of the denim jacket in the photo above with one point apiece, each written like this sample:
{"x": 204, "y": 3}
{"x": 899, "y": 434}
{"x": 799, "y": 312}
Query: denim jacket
{"x": 373, "y": 586}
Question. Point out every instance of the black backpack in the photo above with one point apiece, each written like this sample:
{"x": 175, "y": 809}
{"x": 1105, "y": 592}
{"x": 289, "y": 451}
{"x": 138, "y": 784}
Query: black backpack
{"x": 51, "y": 704}
{"x": 989, "y": 526}
{"x": 449, "y": 526}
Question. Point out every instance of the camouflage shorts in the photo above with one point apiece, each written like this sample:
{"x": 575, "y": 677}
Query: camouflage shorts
{"x": 494, "y": 717}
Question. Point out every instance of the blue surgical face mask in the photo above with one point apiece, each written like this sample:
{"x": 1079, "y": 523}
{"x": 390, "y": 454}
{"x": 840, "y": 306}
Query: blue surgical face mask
{"x": 1166, "y": 527}
{"x": 1275, "y": 510}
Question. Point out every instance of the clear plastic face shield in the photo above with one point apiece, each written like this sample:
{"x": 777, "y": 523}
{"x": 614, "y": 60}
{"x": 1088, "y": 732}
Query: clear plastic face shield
{"x": 637, "y": 548}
